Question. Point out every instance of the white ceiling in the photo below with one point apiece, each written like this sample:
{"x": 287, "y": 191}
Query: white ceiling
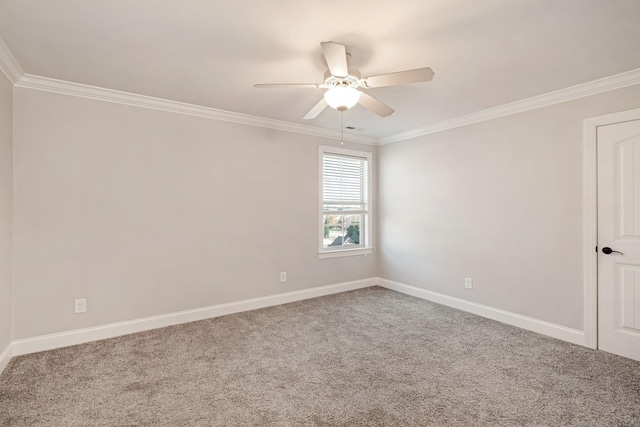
{"x": 211, "y": 52}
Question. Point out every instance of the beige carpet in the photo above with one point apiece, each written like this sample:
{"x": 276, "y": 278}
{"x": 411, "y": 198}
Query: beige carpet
{"x": 371, "y": 357}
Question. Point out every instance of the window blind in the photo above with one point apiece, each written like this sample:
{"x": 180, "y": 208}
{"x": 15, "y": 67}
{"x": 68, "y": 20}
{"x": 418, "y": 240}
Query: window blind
{"x": 344, "y": 183}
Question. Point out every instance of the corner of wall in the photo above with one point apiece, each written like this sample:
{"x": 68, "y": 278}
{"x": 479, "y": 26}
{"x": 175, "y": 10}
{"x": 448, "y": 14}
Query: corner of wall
{"x": 6, "y": 216}
{"x": 5, "y": 357}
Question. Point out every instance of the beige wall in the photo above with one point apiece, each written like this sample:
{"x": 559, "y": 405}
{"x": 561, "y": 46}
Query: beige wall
{"x": 498, "y": 201}
{"x": 6, "y": 183}
{"x": 145, "y": 212}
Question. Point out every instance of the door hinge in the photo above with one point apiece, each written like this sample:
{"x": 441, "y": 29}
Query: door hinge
{"x": 596, "y": 249}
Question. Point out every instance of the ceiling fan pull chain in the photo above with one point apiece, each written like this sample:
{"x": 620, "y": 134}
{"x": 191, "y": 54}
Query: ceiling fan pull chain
{"x": 342, "y": 127}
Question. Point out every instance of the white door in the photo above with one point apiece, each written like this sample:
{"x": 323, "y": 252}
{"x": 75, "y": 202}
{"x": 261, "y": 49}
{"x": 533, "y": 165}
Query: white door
{"x": 619, "y": 238}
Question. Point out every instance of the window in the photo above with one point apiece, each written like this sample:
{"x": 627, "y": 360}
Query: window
{"x": 345, "y": 194}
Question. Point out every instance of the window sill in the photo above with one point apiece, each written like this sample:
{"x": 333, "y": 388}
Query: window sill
{"x": 345, "y": 252}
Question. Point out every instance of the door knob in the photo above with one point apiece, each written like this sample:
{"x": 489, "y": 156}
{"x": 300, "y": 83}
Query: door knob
{"x": 607, "y": 251}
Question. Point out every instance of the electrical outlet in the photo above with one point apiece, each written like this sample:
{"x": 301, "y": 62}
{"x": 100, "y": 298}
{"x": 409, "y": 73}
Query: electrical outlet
{"x": 283, "y": 276}
{"x": 80, "y": 306}
{"x": 468, "y": 283}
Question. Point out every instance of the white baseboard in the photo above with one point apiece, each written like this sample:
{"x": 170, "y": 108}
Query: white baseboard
{"x": 545, "y": 328}
{"x": 5, "y": 357}
{"x": 79, "y": 336}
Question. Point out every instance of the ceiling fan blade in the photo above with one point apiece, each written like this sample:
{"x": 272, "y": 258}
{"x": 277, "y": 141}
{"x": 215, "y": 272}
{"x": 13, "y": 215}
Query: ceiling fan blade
{"x": 374, "y": 105}
{"x": 336, "y": 57}
{"x": 317, "y": 109}
{"x": 400, "y": 78}
{"x": 271, "y": 85}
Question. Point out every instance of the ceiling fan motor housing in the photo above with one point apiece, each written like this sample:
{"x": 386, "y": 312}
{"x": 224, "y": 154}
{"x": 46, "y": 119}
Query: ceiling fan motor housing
{"x": 352, "y": 80}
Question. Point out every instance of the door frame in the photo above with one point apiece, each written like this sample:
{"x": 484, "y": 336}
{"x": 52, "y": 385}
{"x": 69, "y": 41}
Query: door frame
{"x": 590, "y": 217}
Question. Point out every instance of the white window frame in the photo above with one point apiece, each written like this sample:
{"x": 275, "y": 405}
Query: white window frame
{"x": 367, "y": 248}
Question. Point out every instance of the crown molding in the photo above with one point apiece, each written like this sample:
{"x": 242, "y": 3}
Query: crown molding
{"x": 92, "y": 92}
{"x": 14, "y": 72}
{"x": 594, "y": 87}
{"x": 8, "y": 64}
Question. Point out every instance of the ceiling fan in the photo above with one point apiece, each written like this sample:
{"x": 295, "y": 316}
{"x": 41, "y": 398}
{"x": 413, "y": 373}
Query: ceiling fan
{"x": 343, "y": 82}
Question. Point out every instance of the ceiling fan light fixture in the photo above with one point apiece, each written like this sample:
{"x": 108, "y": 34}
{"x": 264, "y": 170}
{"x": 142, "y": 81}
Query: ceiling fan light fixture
{"x": 342, "y": 98}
